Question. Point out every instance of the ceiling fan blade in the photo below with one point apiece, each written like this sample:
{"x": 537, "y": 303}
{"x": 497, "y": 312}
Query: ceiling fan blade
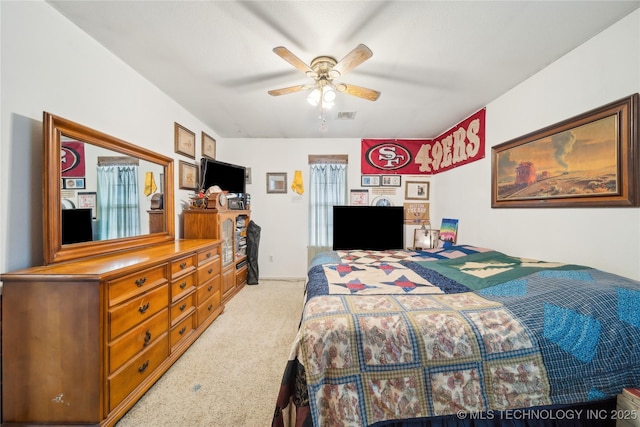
{"x": 354, "y": 58}
{"x": 286, "y": 54}
{"x": 290, "y": 89}
{"x": 361, "y": 92}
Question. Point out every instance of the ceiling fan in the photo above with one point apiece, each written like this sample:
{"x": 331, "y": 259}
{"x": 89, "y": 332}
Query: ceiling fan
{"x": 325, "y": 70}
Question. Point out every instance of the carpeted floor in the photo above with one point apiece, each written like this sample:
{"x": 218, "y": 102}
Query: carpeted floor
{"x": 231, "y": 375}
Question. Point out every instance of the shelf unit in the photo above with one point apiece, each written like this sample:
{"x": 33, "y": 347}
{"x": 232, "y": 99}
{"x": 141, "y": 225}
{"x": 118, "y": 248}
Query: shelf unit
{"x": 230, "y": 226}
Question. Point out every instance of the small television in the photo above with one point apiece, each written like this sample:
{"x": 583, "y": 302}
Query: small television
{"x": 227, "y": 176}
{"x": 77, "y": 226}
{"x": 368, "y": 227}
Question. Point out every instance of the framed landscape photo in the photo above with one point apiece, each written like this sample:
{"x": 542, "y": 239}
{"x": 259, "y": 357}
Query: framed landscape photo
{"x": 187, "y": 176}
{"x": 185, "y": 141}
{"x": 208, "y": 146}
{"x": 416, "y": 190}
{"x": 276, "y": 182}
{"x": 590, "y": 160}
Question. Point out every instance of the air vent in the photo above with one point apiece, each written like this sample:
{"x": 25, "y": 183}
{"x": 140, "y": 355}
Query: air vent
{"x": 346, "y": 115}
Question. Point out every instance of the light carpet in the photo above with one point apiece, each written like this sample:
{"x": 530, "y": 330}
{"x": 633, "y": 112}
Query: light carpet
{"x": 231, "y": 375}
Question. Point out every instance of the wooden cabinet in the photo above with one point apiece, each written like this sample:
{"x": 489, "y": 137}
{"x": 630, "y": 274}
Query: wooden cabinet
{"x": 230, "y": 226}
{"x": 83, "y": 340}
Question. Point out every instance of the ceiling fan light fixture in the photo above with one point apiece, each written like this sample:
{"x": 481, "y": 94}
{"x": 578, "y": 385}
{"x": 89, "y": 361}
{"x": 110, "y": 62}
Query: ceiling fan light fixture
{"x": 328, "y": 94}
{"x": 314, "y": 97}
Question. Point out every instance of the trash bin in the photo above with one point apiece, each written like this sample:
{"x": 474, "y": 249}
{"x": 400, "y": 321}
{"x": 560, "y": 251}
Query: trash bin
{"x": 253, "y": 242}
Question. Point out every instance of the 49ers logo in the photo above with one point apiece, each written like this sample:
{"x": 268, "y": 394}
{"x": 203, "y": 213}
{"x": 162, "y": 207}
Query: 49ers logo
{"x": 388, "y": 156}
{"x": 69, "y": 159}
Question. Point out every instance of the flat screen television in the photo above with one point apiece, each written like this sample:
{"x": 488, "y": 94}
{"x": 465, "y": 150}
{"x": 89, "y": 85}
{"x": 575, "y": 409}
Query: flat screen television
{"x": 227, "y": 176}
{"x": 77, "y": 226}
{"x": 368, "y": 227}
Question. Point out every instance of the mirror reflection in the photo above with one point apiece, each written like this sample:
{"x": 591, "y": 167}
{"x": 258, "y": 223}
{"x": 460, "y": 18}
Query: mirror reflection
{"x": 106, "y": 195}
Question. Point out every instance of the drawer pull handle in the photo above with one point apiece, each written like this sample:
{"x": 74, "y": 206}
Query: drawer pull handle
{"x": 210, "y": 271}
{"x": 183, "y": 285}
{"x": 143, "y": 367}
{"x": 209, "y": 288}
{"x": 183, "y": 265}
{"x": 141, "y": 281}
{"x": 183, "y": 306}
{"x": 147, "y": 338}
{"x": 143, "y": 308}
{"x": 182, "y": 331}
{"x": 210, "y": 307}
{"x": 208, "y": 254}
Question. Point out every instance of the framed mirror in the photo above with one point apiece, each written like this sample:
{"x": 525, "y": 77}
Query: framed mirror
{"x": 101, "y": 193}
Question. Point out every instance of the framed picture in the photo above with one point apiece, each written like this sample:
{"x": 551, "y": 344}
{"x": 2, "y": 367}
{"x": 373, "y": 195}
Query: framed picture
{"x": 247, "y": 175}
{"x": 185, "y": 141}
{"x": 391, "y": 181}
{"x": 73, "y": 183}
{"x": 416, "y": 213}
{"x": 87, "y": 200}
{"x": 359, "y": 197}
{"x": 381, "y": 201}
{"x": 187, "y": 176}
{"x": 590, "y": 160}
{"x": 208, "y": 146}
{"x": 276, "y": 182}
{"x": 416, "y": 190}
{"x": 370, "y": 181}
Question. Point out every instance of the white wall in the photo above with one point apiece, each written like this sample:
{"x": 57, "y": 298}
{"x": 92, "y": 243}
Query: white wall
{"x": 48, "y": 64}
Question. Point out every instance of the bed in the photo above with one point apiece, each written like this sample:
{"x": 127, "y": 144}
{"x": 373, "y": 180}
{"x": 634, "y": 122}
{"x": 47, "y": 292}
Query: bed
{"x": 459, "y": 336}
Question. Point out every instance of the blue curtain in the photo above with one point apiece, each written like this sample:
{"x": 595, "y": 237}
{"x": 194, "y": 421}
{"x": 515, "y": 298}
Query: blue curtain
{"x": 328, "y": 187}
{"x": 118, "y": 202}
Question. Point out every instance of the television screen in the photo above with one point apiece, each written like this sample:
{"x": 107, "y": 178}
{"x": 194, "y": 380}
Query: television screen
{"x": 368, "y": 227}
{"x": 228, "y": 177}
{"x": 77, "y": 226}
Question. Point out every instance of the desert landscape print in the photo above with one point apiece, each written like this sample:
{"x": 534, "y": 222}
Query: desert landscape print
{"x": 582, "y": 161}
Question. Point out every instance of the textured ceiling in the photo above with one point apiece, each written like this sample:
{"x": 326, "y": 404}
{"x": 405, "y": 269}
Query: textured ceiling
{"x": 434, "y": 62}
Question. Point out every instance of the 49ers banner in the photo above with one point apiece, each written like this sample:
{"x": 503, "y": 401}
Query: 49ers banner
{"x": 462, "y": 144}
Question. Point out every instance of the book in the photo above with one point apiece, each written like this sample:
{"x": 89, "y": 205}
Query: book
{"x": 632, "y": 394}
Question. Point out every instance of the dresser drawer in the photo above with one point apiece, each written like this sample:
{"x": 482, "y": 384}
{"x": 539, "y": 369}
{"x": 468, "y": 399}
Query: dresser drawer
{"x": 208, "y": 289}
{"x": 208, "y": 255}
{"x": 137, "y": 339}
{"x": 183, "y": 265}
{"x": 241, "y": 276}
{"x": 182, "y": 307}
{"x": 183, "y": 329}
{"x": 208, "y": 271}
{"x": 182, "y": 286}
{"x": 136, "y": 283}
{"x": 133, "y": 373}
{"x": 130, "y": 313}
{"x": 208, "y": 307}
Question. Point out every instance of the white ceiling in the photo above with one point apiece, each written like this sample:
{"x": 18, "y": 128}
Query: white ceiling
{"x": 435, "y": 62}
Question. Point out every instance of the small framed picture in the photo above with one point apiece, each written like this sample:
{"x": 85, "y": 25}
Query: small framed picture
{"x": 370, "y": 181}
{"x": 208, "y": 146}
{"x": 391, "y": 181}
{"x": 73, "y": 183}
{"x": 247, "y": 175}
{"x": 416, "y": 190}
{"x": 276, "y": 182}
{"x": 359, "y": 197}
{"x": 87, "y": 200}
{"x": 185, "y": 141}
{"x": 187, "y": 176}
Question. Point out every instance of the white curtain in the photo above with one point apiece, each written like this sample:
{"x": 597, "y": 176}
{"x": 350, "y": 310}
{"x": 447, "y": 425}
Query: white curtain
{"x": 118, "y": 202}
{"x": 328, "y": 187}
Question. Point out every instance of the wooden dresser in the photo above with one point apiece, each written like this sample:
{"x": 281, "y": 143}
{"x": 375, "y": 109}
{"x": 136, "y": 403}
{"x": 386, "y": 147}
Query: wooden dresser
{"x": 83, "y": 340}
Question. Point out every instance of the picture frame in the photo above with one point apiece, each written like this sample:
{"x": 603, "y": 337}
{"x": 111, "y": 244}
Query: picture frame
{"x": 187, "y": 176}
{"x": 276, "y": 182}
{"x": 359, "y": 197}
{"x": 589, "y": 160}
{"x": 247, "y": 175}
{"x": 185, "y": 141}
{"x": 391, "y": 181}
{"x": 208, "y": 146}
{"x": 73, "y": 183}
{"x": 416, "y": 190}
{"x": 88, "y": 200}
{"x": 370, "y": 181}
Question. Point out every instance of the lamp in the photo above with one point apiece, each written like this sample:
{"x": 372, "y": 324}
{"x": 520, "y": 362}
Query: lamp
{"x": 324, "y": 95}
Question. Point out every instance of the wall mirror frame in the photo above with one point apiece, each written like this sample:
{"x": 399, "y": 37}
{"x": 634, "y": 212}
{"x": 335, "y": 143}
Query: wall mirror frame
{"x": 55, "y": 128}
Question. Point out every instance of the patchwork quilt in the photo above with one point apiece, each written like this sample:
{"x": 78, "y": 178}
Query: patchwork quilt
{"x": 425, "y": 334}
